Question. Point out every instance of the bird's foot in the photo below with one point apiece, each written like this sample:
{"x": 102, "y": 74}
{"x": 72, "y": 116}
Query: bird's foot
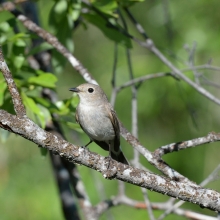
{"x": 84, "y": 147}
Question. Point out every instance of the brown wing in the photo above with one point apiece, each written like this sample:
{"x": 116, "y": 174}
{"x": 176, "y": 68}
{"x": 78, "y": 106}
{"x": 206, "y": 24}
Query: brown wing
{"x": 115, "y": 123}
{"x": 76, "y": 117}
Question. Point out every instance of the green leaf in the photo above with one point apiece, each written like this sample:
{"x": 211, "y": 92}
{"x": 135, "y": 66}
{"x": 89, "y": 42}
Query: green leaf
{"x": 60, "y": 7}
{"x": 18, "y": 39}
{"x": 63, "y": 108}
{"x": 108, "y": 31}
{"x": 5, "y": 15}
{"x": 52, "y": 108}
{"x": 74, "y": 101}
{"x": 46, "y": 115}
{"x": 5, "y": 27}
{"x": 74, "y": 10}
{"x": 106, "y": 6}
{"x": 32, "y": 106}
{"x": 74, "y": 126}
{"x": 18, "y": 61}
{"x": 42, "y": 47}
{"x": 46, "y": 80}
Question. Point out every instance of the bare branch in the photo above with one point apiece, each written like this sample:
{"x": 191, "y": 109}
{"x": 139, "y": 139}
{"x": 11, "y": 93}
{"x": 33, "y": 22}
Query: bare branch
{"x": 18, "y": 105}
{"x": 202, "y": 67}
{"x": 26, "y": 128}
{"x": 148, "y": 204}
{"x": 211, "y": 137}
{"x": 122, "y": 199}
{"x": 142, "y": 79}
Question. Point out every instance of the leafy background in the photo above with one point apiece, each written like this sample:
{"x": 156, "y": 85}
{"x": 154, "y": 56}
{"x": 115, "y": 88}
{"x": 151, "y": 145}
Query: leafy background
{"x": 168, "y": 110}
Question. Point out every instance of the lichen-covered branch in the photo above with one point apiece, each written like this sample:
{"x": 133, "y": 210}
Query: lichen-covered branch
{"x": 211, "y": 137}
{"x": 18, "y": 105}
{"x": 26, "y": 128}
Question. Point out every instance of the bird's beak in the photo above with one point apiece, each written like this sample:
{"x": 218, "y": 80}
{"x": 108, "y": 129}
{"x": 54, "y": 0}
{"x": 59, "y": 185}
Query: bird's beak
{"x": 74, "y": 90}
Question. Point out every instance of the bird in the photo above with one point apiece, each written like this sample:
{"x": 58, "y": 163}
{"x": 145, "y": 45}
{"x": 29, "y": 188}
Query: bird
{"x": 98, "y": 120}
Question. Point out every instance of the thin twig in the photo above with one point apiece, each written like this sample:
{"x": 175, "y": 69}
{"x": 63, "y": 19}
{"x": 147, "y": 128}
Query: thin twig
{"x": 148, "y": 203}
{"x": 211, "y": 137}
{"x": 202, "y": 67}
{"x": 142, "y": 79}
{"x": 137, "y": 25}
{"x": 124, "y": 200}
{"x": 191, "y": 62}
{"x": 114, "y": 91}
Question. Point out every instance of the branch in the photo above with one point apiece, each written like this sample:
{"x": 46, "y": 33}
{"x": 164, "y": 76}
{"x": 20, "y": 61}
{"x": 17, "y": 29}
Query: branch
{"x": 26, "y": 128}
{"x": 124, "y": 200}
{"x": 18, "y": 105}
{"x": 211, "y": 137}
{"x": 142, "y": 79}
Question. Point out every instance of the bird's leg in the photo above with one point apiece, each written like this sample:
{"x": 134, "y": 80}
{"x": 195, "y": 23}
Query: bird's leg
{"x": 109, "y": 157}
{"x": 88, "y": 143}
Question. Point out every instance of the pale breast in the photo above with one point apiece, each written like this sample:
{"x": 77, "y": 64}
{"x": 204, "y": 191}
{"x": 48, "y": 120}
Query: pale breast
{"x": 95, "y": 122}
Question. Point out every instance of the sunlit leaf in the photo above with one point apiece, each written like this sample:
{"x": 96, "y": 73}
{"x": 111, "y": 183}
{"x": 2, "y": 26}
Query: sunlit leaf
{"x": 60, "y": 6}
{"x": 106, "y": 6}
{"x": 74, "y": 9}
{"x": 46, "y": 80}
{"x": 63, "y": 108}
{"x": 18, "y": 39}
{"x": 18, "y": 61}
{"x": 108, "y": 30}
{"x": 4, "y": 27}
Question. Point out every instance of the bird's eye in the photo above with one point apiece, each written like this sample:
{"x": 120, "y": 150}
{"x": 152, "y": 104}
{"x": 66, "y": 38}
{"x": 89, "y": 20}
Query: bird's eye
{"x": 91, "y": 90}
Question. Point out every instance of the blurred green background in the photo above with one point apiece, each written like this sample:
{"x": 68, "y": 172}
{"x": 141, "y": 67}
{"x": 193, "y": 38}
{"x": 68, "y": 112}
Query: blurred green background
{"x": 168, "y": 110}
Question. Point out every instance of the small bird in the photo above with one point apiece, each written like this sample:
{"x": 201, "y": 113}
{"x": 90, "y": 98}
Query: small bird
{"x": 98, "y": 120}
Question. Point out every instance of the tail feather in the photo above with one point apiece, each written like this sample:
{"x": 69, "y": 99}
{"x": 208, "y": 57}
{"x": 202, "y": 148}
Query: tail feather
{"x": 120, "y": 158}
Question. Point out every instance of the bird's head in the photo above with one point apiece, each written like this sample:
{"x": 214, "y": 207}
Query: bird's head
{"x": 90, "y": 94}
